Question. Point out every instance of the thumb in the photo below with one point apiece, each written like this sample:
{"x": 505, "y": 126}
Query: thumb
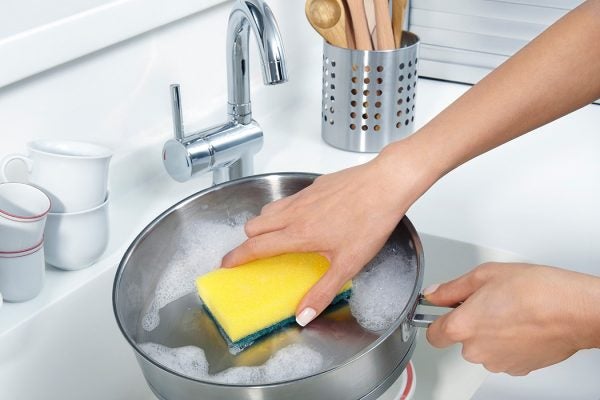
{"x": 457, "y": 290}
{"x": 319, "y": 296}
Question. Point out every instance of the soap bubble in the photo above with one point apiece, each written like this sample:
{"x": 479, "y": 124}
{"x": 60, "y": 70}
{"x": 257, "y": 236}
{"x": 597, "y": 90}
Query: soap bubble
{"x": 198, "y": 253}
{"x": 379, "y": 295}
{"x": 292, "y": 362}
{"x": 188, "y": 360}
{"x": 382, "y": 289}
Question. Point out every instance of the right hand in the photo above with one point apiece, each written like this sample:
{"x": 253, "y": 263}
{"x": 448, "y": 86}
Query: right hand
{"x": 346, "y": 216}
{"x": 515, "y": 317}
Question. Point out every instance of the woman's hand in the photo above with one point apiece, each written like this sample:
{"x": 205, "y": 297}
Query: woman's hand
{"x": 517, "y": 318}
{"x": 346, "y": 216}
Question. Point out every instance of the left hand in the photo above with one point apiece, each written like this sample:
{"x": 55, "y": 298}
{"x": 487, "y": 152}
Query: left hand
{"x": 516, "y": 318}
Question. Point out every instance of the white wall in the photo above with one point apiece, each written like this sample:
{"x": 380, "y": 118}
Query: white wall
{"x": 119, "y": 96}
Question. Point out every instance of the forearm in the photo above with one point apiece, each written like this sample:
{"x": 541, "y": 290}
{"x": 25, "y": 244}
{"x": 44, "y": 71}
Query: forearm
{"x": 555, "y": 74}
{"x": 588, "y": 307}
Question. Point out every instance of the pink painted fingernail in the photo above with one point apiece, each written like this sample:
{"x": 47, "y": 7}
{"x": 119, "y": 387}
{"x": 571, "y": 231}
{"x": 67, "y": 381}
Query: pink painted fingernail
{"x": 430, "y": 289}
{"x": 307, "y": 315}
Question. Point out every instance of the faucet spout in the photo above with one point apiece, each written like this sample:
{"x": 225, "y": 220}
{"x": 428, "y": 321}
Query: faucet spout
{"x": 252, "y": 15}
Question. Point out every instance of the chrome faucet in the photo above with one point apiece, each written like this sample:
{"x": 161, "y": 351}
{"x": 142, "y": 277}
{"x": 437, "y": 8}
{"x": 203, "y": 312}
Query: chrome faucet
{"x": 228, "y": 149}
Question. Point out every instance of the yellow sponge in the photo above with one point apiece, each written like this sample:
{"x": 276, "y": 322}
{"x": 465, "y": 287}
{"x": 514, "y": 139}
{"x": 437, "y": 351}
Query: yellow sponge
{"x": 259, "y": 297}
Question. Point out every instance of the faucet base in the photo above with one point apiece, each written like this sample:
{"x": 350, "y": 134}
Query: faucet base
{"x": 226, "y": 149}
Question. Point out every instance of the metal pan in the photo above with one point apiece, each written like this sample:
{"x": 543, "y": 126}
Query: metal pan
{"x": 360, "y": 363}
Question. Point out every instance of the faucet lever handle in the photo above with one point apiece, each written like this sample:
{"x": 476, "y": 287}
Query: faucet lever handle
{"x": 176, "y": 111}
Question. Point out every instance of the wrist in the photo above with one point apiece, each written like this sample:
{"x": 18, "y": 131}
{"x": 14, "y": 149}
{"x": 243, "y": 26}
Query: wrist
{"x": 405, "y": 171}
{"x": 584, "y": 309}
{"x": 413, "y": 158}
{"x": 591, "y": 314}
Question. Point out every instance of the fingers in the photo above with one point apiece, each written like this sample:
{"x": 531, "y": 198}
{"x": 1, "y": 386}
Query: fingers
{"x": 454, "y": 326}
{"x": 265, "y": 224}
{"x": 448, "y": 329}
{"x": 271, "y": 218}
{"x": 262, "y": 246}
{"x": 459, "y": 289}
{"x": 319, "y": 296}
{"x": 278, "y": 205}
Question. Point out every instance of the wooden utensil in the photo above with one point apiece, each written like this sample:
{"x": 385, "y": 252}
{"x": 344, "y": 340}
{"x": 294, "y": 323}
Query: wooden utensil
{"x": 385, "y": 36}
{"x": 359, "y": 23}
{"x": 349, "y": 28}
{"x": 370, "y": 13}
{"x": 374, "y": 34}
{"x": 329, "y": 19}
{"x": 398, "y": 9}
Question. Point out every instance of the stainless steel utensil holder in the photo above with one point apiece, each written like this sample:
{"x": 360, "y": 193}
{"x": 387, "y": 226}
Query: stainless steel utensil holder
{"x": 369, "y": 96}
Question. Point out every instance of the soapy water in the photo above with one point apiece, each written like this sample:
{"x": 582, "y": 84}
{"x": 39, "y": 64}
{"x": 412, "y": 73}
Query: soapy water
{"x": 382, "y": 289}
{"x": 197, "y": 254}
{"x": 291, "y": 362}
{"x": 380, "y": 292}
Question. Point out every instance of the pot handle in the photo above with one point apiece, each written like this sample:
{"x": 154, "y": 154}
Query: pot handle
{"x": 424, "y": 320}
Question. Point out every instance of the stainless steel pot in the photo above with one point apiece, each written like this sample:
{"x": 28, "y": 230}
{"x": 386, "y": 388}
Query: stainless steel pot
{"x": 364, "y": 363}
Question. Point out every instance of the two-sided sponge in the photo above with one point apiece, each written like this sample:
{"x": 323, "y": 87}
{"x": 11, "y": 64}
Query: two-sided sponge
{"x": 256, "y": 298}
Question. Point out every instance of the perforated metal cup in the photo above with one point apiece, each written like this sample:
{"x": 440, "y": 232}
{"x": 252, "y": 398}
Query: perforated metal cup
{"x": 369, "y": 96}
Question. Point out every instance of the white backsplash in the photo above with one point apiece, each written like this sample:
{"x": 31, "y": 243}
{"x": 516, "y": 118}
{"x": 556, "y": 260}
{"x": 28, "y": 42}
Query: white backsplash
{"x": 119, "y": 96}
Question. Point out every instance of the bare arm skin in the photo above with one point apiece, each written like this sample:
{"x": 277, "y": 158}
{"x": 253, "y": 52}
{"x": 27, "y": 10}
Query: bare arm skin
{"x": 555, "y": 74}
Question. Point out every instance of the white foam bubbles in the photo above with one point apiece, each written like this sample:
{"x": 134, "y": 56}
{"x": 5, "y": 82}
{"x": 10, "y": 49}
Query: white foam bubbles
{"x": 199, "y": 252}
{"x": 188, "y": 360}
{"x": 292, "y": 362}
{"x": 381, "y": 291}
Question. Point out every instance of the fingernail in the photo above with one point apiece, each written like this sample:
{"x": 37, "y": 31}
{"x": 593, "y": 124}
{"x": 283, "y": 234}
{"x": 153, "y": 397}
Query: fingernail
{"x": 430, "y": 289}
{"x": 307, "y": 315}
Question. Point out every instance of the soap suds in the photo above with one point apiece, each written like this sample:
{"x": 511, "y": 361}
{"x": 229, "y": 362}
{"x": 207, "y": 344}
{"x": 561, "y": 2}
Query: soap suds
{"x": 188, "y": 360}
{"x": 292, "y": 362}
{"x": 379, "y": 294}
{"x": 382, "y": 289}
{"x": 199, "y": 252}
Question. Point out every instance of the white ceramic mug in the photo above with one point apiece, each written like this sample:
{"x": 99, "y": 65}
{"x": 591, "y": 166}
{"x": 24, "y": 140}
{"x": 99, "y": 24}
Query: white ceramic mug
{"x": 22, "y": 274}
{"x": 76, "y": 240}
{"x": 74, "y": 174}
{"x": 23, "y": 211}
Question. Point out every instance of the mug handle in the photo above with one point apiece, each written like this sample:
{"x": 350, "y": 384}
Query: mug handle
{"x": 11, "y": 157}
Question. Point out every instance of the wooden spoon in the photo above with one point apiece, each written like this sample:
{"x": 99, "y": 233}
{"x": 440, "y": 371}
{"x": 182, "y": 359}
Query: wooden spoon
{"x": 359, "y": 23}
{"x": 329, "y": 19}
{"x": 398, "y": 9}
{"x": 385, "y": 36}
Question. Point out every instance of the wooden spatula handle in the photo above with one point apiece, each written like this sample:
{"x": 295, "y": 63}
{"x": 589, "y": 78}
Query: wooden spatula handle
{"x": 385, "y": 37}
{"x": 398, "y": 10}
{"x": 359, "y": 23}
{"x": 349, "y": 27}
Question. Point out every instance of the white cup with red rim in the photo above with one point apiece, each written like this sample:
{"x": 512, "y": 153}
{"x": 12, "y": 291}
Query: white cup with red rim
{"x": 22, "y": 273}
{"x": 23, "y": 213}
{"x": 74, "y": 174}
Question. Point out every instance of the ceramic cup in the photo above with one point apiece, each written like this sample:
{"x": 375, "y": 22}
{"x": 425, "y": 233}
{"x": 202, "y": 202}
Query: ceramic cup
{"x": 76, "y": 240}
{"x": 23, "y": 211}
{"x": 73, "y": 174}
{"x": 22, "y": 274}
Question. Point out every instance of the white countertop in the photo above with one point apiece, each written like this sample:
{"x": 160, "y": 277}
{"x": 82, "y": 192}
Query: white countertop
{"x": 546, "y": 184}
